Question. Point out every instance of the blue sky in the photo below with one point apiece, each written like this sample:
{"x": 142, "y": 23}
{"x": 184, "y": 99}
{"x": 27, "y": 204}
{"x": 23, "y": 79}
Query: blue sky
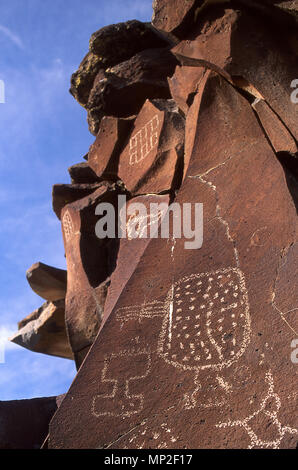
{"x": 42, "y": 132}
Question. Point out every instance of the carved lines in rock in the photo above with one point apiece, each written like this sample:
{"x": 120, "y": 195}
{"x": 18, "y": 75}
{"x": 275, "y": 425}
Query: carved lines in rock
{"x": 145, "y": 140}
{"x": 269, "y": 411}
{"x": 117, "y": 381}
{"x": 67, "y": 225}
{"x": 210, "y": 321}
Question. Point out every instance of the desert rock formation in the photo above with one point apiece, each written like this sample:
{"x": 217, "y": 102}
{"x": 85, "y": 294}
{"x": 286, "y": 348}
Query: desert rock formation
{"x": 175, "y": 347}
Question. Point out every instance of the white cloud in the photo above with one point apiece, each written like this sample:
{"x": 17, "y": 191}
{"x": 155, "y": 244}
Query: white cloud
{"x": 12, "y": 36}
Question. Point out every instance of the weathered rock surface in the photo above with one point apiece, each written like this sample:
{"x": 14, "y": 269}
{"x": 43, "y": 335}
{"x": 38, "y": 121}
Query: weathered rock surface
{"x": 246, "y": 46}
{"x": 277, "y": 133}
{"x": 188, "y": 350}
{"x": 64, "y": 194}
{"x": 104, "y": 154}
{"x": 44, "y": 331}
{"x": 121, "y": 90}
{"x": 131, "y": 247}
{"x": 118, "y": 42}
{"x": 168, "y": 15}
{"x": 183, "y": 85}
{"x": 108, "y": 47}
{"x": 25, "y": 423}
{"x": 183, "y": 340}
{"x": 152, "y": 160}
{"x": 81, "y": 173}
{"x": 46, "y": 281}
{"x": 90, "y": 262}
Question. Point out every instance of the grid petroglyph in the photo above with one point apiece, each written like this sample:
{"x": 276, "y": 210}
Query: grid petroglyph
{"x": 144, "y": 141}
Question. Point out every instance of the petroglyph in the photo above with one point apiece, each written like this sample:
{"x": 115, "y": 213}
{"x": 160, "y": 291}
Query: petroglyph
{"x": 206, "y": 322}
{"x": 268, "y": 410}
{"x": 210, "y": 321}
{"x": 161, "y": 438}
{"x": 67, "y": 225}
{"x": 144, "y": 141}
{"x": 117, "y": 398}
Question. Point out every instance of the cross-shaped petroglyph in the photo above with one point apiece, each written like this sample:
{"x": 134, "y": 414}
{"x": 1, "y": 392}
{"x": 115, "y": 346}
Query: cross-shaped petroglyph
{"x": 145, "y": 140}
{"x": 121, "y": 372}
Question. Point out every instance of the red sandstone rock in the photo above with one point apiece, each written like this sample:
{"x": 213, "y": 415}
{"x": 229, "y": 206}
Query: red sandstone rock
{"x": 44, "y": 331}
{"x": 183, "y": 85}
{"x": 90, "y": 262}
{"x": 239, "y": 44}
{"x": 64, "y": 194}
{"x": 196, "y": 351}
{"x": 46, "y": 281}
{"x": 277, "y": 133}
{"x": 168, "y": 15}
{"x": 104, "y": 153}
{"x": 192, "y": 346}
{"x": 130, "y": 248}
{"x": 81, "y": 173}
{"x": 122, "y": 90}
{"x": 152, "y": 160}
{"x": 24, "y": 423}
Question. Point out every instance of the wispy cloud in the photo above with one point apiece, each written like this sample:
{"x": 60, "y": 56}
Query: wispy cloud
{"x": 12, "y": 36}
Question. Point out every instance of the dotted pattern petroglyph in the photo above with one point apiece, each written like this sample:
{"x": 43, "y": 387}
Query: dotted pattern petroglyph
{"x": 119, "y": 400}
{"x": 206, "y": 322}
{"x": 256, "y": 439}
{"x": 210, "y": 321}
{"x": 67, "y": 226}
{"x": 144, "y": 141}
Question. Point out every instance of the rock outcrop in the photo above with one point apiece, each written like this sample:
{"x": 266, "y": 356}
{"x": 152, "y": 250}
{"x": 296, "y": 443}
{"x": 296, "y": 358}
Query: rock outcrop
{"x": 182, "y": 338}
{"x": 24, "y": 423}
{"x": 44, "y": 331}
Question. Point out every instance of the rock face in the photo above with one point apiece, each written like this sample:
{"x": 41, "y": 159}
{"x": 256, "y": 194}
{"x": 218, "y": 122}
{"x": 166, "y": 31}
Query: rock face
{"x": 24, "y": 423}
{"x": 90, "y": 262}
{"x": 183, "y": 334}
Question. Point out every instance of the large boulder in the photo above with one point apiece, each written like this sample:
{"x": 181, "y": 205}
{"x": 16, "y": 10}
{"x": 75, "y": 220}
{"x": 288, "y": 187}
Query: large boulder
{"x": 110, "y": 46}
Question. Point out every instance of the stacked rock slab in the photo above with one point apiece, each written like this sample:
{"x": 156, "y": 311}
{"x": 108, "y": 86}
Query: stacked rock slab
{"x": 182, "y": 345}
{"x": 24, "y": 423}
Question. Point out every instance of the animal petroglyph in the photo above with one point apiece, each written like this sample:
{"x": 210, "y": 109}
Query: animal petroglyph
{"x": 145, "y": 140}
{"x": 269, "y": 409}
{"x": 117, "y": 383}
